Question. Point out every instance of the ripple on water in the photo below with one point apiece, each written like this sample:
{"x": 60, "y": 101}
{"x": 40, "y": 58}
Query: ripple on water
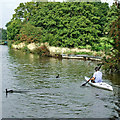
{"x": 51, "y": 97}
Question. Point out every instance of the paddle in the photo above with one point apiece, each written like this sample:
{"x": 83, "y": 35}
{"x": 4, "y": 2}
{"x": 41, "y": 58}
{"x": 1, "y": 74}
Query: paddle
{"x": 91, "y": 77}
{"x": 86, "y": 82}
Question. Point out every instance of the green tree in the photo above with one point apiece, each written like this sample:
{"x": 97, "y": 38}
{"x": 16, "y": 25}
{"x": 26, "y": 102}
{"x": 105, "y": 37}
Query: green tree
{"x": 13, "y": 28}
{"x": 113, "y": 62}
{"x": 29, "y": 33}
{"x": 71, "y": 24}
{"x": 4, "y": 34}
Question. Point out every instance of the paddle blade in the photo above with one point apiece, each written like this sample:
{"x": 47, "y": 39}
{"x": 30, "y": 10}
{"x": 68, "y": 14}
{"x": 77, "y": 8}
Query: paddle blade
{"x": 85, "y": 83}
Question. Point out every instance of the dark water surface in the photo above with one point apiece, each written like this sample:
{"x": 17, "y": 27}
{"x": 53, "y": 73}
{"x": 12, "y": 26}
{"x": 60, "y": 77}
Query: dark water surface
{"x": 48, "y": 96}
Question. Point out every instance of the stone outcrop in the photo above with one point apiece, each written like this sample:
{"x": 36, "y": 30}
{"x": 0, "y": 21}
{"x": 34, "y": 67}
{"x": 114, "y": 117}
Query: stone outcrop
{"x": 32, "y": 46}
{"x": 53, "y": 50}
{"x": 19, "y": 46}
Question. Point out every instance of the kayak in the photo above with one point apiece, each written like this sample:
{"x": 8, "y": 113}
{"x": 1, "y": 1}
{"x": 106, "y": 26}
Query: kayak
{"x": 101, "y": 85}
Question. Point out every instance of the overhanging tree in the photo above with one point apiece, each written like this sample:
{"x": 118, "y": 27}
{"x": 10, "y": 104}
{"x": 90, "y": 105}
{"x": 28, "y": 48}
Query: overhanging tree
{"x": 112, "y": 63}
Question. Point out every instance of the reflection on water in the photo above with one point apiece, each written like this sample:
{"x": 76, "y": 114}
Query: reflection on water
{"x": 49, "y": 96}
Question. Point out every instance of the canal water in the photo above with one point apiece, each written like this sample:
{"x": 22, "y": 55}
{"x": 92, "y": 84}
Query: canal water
{"x": 45, "y": 96}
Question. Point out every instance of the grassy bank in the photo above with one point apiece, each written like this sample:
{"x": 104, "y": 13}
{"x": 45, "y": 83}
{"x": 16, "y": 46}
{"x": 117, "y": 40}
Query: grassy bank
{"x": 47, "y": 50}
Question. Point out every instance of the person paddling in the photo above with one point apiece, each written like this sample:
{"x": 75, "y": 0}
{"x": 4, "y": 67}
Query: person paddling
{"x": 97, "y": 76}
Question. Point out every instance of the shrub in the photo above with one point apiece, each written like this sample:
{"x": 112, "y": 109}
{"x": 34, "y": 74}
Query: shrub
{"x": 29, "y": 33}
{"x": 42, "y": 51}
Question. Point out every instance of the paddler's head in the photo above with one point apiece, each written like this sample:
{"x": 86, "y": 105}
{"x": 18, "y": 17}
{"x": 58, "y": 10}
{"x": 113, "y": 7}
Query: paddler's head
{"x": 96, "y": 68}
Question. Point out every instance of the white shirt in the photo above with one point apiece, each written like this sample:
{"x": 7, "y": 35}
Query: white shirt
{"x": 98, "y": 76}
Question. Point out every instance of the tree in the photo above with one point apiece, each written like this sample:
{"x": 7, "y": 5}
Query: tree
{"x": 71, "y": 24}
{"x": 13, "y": 28}
{"x": 29, "y": 34}
{"x": 113, "y": 62}
{"x": 4, "y": 34}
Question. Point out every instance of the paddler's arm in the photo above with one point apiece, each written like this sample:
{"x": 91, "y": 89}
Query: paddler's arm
{"x": 91, "y": 79}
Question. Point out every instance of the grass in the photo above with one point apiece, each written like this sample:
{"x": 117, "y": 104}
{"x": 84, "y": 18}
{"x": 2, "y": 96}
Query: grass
{"x": 78, "y": 53}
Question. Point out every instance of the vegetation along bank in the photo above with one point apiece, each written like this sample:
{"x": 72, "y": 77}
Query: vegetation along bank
{"x": 83, "y": 25}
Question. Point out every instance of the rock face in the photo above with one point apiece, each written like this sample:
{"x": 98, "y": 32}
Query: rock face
{"x": 53, "y": 50}
{"x": 59, "y": 50}
{"x": 19, "y": 46}
{"x": 32, "y": 46}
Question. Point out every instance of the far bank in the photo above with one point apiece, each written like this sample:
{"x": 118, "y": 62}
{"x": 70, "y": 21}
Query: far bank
{"x": 44, "y": 49}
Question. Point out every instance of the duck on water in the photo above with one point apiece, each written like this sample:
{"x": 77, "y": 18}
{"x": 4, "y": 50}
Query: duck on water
{"x": 9, "y": 91}
{"x": 14, "y": 91}
{"x": 57, "y": 76}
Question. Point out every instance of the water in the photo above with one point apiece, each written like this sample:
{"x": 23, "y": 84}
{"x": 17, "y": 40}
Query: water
{"x": 51, "y": 97}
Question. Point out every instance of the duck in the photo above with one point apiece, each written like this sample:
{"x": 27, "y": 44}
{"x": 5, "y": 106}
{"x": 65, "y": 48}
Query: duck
{"x": 9, "y": 91}
{"x": 57, "y": 76}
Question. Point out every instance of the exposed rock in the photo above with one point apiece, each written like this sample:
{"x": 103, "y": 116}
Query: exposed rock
{"x": 32, "y": 46}
{"x": 19, "y": 46}
{"x": 53, "y": 50}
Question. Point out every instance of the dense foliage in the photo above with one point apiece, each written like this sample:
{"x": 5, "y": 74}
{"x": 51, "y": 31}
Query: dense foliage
{"x": 70, "y": 24}
{"x": 3, "y": 34}
{"x": 28, "y": 33}
{"x": 64, "y": 24}
{"x": 112, "y": 63}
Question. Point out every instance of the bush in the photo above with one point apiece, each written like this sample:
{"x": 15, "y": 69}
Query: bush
{"x": 42, "y": 51}
{"x": 29, "y": 33}
{"x": 111, "y": 62}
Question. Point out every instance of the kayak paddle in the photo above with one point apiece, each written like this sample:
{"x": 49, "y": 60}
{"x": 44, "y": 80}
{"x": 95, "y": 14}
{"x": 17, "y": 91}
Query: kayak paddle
{"x": 86, "y": 82}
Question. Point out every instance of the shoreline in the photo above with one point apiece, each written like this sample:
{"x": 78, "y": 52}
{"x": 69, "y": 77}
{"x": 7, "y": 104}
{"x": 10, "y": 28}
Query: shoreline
{"x": 59, "y": 52}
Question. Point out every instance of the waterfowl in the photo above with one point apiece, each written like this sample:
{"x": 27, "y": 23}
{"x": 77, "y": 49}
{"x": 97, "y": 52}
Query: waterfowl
{"x": 57, "y": 76}
{"x": 9, "y": 91}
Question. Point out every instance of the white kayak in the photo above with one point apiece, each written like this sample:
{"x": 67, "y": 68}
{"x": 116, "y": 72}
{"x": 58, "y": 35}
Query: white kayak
{"x": 102, "y": 85}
